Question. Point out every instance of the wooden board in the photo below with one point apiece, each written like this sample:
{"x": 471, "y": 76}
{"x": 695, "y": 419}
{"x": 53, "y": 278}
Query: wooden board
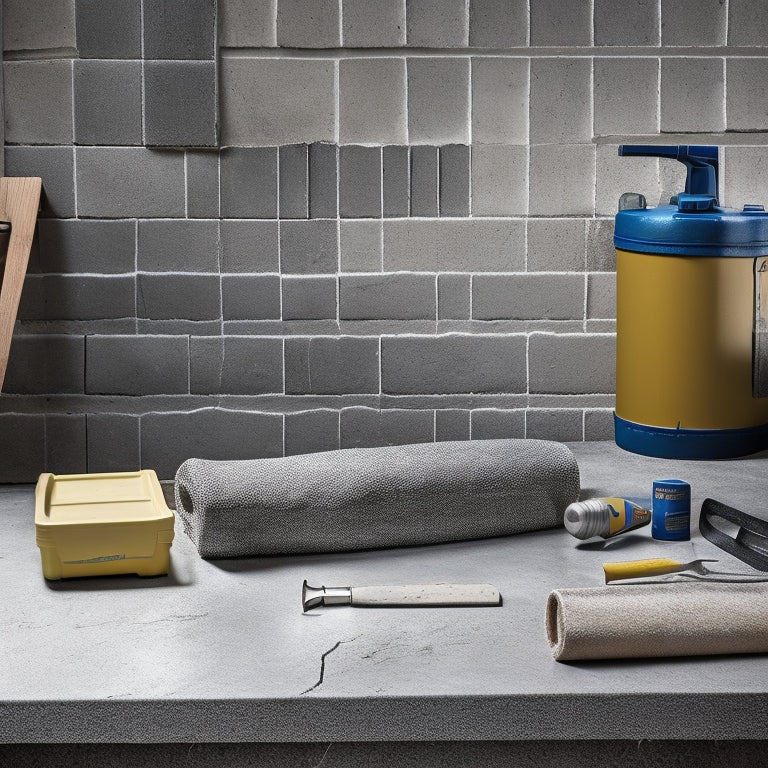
{"x": 19, "y": 204}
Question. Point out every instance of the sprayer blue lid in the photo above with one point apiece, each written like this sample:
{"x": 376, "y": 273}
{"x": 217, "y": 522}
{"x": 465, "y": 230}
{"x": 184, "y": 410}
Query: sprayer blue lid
{"x": 694, "y": 224}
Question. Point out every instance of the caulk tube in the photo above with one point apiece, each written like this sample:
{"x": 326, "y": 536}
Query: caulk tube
{"x": 604, "y": 517}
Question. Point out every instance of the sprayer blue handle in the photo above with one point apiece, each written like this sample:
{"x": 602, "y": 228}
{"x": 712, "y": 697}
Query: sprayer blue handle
{"x": 701, "y": 161}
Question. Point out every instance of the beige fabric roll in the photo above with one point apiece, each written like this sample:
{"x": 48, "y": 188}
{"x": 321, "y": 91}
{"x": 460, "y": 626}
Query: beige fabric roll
{"x": 645, "y": 620}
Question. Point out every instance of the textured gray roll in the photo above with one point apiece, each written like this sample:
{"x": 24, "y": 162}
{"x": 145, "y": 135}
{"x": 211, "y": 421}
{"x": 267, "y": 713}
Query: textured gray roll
{"x": 365, "y": 498}
{"x": 650, "y": 620}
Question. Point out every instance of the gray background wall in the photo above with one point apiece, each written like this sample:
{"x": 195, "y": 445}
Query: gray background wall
{"x": 340, "y": 223}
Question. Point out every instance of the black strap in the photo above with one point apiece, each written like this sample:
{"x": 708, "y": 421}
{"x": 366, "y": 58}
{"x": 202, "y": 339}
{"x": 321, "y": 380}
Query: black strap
{"x": 750, "y": 544}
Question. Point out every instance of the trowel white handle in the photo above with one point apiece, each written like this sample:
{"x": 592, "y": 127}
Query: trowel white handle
{"x": 426, "y": 594}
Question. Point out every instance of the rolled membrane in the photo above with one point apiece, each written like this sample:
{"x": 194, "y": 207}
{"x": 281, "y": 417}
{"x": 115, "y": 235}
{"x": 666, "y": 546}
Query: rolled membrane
{"x": 365, "y": 498}
{"x": 652, "y": 620}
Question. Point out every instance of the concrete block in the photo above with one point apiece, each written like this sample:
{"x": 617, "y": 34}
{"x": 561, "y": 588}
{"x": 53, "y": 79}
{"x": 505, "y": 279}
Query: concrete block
{"x": 373, "y": 23}
{"x": 601, "y": 254}
{"x": 293, "y": 160}
{"x": 250, "y": 297}
{"x": 451, "y": 424}
{"x": 452, "y": 364}
{"x": 425, "y": 169}
{"x": 500, "y": 100}
{"x": 108, "y": 29}
{"x": 324, "y": 365}
{"x": 136, "y": 365}
{"x": 66, "y": 451}
{"x": 745, "y": 100}
{"x": 22, "y": 457}
{"x": 601, "y": 296}
{"x": 118, "y": 182}
{"x": 308, "y": 24}
{"x": 499, "y": 180}
{"x": 627, "y": 174}
{"x": 236, "y": 365}
{"x": 559, "y": 424}
{"x": 454, "y": 296}
{"x": 177, "y": 245}
{"x": 693, "y": 94}
{"x": 87, "y": 245}
{"x": 311, "y": 431}
{"x": 359, "y": 182}
{"x": 45, "y": 364}
{"x": 309, "y": 247}
{"x": 175, "y": 30}
{"x": 399, "y": 296}
{"x": 78, "y": 297}
{"x": 562, "y": 180}
{"x": 249, "y": 182}
{"x": 497, "y": 424}
{"x": 309, "y": 298}
{"x": 169, "y": 296}
{"x": 469, "y": 245}
{"x": 396, "y": 181}
{"x": 498, "y": 23}
{"x": 277, "y": 101}
{"x": 689, "y": 22}
{"x": 55, "y": 165}
{"x": 454, "y": 180}
{"x": 437, "y": 23}
{"x": 626, "y": 96}
{"x": 561, "y": 100}
{"x": 373, "y": 101}
{"x": 438, "y": 100}
{"x": 38, "y": 101}
{"x": 561, "y": 24}
{"x": 180, "y": 104}
{"x": 168, "y": 439}
{"x": 745, "y": 173}
{"x": 360, "y": 245}
{"x": 203, "y": 185}
{"x": 38, "y": 25}
{"x": 572, "y": 364}
{"x": 245, "y": 24}
{"x": 323, "y": 181}
{"x": 108, "y": 102}
{"x": 556, "y": 245}
{"x": 372, "y": 428}
{"x": 631, "y": 22}
{"x": 249, "y": 246}
{"x": 528, "y": 297}
{"x": 747, "y": 24}
{"x": 598, "y": 424}
{"x": 113, "y": 442}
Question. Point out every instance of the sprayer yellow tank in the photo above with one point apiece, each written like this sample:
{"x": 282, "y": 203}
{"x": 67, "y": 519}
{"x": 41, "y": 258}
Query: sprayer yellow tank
{"x": 692, "y": 319}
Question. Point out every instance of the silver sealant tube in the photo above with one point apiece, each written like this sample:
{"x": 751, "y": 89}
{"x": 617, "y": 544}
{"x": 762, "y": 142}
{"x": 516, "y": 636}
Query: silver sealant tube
{"x": 604, "y": 517}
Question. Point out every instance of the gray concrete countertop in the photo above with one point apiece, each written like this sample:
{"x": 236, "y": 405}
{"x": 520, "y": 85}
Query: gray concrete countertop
{"x": 220, "y": 651}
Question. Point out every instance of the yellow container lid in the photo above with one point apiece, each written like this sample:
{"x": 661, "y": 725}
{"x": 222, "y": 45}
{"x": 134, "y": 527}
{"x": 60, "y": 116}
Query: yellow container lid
{"x": 102, "y": 523}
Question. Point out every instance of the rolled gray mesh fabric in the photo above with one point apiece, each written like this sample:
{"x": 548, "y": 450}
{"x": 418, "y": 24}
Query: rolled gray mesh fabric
{"x": 651, "y": 620}
{"x": 364, "y": 498}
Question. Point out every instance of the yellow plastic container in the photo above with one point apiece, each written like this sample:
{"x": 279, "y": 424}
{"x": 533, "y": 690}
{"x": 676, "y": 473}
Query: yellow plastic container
{"x": 102, "y": 524}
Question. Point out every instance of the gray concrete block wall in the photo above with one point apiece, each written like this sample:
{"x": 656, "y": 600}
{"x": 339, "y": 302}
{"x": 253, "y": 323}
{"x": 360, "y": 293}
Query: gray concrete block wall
{"x": 286, "y": 226}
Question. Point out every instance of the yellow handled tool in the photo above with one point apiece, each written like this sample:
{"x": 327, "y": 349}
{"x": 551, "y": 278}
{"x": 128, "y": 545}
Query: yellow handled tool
{"x": 657, "y": 566}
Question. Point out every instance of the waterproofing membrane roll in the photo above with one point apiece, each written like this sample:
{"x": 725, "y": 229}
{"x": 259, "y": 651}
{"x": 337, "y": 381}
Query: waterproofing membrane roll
{"x": 652, "y": 620}
{"x": 366, "y": 498}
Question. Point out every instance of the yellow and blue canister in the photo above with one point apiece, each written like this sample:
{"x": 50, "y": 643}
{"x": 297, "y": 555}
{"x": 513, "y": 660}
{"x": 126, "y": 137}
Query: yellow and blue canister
{"x": 692, "y": 318}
